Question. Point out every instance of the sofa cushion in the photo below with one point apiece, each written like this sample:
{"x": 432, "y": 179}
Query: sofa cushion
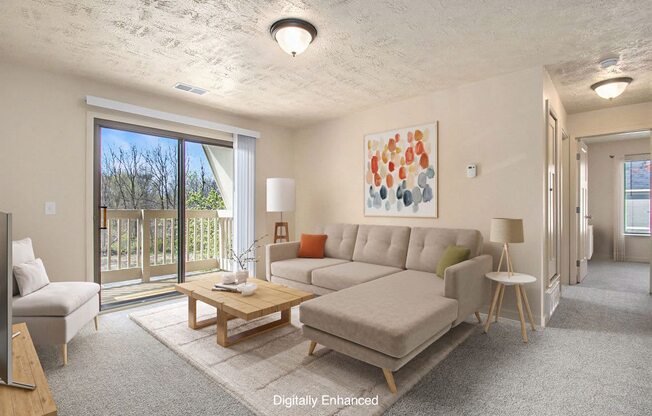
{"x": 300, "y": 269}
{"x": 340, "y": 241}
{"x": 55, "y": 299}
{"x": 428, "y": 244}
{"x": 349, "y": 274}
{"x": 438, "y": 283}
{"x": 394, "y": 314}
{"x": 382, "y": 244}
{"x": 21, "y": 252}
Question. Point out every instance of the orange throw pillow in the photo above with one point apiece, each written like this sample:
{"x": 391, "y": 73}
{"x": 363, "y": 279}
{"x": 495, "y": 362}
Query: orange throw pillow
{"x": 312, "y": 245}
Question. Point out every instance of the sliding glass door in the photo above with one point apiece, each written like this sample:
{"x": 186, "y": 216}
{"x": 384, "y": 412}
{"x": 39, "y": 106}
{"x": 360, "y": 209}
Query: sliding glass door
{"x": 208, "y": 207}
{"x": 161, "y": 196}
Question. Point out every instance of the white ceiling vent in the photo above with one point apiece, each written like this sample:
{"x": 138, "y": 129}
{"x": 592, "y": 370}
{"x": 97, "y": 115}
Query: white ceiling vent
{"x": 189, "y": 88}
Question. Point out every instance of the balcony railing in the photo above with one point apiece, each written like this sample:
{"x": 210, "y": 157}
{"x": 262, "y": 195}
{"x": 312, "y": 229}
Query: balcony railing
{"x": 140, "y": 244}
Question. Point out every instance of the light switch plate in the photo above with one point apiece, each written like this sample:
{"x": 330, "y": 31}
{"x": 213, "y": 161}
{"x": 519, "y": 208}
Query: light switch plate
{"x": 50, "y": 208}
{"x": 471, "y": 171}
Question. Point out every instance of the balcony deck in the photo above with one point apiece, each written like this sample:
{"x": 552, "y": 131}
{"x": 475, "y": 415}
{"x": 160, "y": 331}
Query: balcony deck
{"x": 139, "y": 251}
{"x": 114, "y": 294}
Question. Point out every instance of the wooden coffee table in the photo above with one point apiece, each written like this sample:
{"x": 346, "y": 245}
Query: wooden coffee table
{"x": 269, "y": 298}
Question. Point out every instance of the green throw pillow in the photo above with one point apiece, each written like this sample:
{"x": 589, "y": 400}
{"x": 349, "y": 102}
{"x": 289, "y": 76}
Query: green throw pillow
{"x": 452, "y": 255}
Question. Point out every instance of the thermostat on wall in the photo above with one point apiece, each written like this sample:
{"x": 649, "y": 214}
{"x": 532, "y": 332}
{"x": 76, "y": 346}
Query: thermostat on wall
{"x": 471, "y": 171}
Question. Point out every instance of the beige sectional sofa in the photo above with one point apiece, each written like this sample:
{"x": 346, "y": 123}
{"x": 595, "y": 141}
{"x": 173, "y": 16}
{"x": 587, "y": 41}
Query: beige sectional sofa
{"x": 383, "y": 302}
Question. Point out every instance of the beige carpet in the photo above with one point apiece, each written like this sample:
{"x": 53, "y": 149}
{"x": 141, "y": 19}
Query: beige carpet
{"x": 275, "y": 366}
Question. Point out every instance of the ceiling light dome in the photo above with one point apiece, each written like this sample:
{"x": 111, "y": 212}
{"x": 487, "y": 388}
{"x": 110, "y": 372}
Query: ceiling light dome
{"x": 611, "y": 88}
{"x": 293, "y": 35}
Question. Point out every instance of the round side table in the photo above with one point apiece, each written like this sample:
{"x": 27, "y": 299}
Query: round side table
{"x": 517, "y": 280}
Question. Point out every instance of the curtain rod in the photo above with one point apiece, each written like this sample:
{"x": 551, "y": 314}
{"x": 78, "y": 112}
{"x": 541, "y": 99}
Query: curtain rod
{"x": 162, "y": 115}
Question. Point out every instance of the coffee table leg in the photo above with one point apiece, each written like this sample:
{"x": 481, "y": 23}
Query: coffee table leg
{"x": 222, "y": 331}
{"x": 192, "y": 316}
{"x": 192, "y": 312}
{"x": 285, "y": 316}
{"x": 225, "y": 340}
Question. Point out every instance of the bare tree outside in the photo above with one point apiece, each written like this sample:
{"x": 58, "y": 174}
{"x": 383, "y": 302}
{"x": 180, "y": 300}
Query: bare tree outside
{"x": 140, "y": 172}
{"x": 146, "y": 178}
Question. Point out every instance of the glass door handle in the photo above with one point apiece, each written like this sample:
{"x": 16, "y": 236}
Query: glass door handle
{"x": 103, "y": 218}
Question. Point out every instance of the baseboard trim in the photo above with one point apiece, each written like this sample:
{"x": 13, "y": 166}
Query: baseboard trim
{"x": 637, "y": 260}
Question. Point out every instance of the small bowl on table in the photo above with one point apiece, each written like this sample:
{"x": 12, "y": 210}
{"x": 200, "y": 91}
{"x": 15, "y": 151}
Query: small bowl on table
{"x": 228, "y": 278}
{"x": 247, "y": 289}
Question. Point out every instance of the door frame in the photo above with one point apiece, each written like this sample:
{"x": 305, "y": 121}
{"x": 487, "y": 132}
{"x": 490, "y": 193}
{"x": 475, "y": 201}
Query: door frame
{"x": 579, "y": 212}
{"x": 557, "y": 221}
{"x": 181, "y": 138}
{"x": 574, "y": 179}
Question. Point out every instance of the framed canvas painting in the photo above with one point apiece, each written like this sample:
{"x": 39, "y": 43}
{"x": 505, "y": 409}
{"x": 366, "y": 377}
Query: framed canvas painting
{"x": 401, "y": 172}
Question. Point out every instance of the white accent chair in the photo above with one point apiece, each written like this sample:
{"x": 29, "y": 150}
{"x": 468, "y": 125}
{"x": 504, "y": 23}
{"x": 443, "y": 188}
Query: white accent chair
{"x": 55, "y": 313}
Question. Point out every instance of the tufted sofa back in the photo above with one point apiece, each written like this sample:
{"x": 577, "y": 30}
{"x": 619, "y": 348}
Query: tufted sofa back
{"x": 382, "y": 244}
{"x": 428, "y": 244}
{"x": 340, "y": 241}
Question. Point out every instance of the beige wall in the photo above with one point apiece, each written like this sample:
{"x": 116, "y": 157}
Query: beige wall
{"x": 616, "y": 119}
{"x": 611, "y": 120}
{"x": 45, "y": 157}
{"x": 496, "y": 123}
{"x": 602, "y": 194}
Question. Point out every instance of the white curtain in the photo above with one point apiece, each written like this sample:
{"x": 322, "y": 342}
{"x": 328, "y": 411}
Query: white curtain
{"x": 619, "y": 208}
{"x": 244, "y": 201}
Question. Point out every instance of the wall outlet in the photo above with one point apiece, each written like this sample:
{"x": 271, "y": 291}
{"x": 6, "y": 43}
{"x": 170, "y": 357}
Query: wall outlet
{"x": 50, "y": 208}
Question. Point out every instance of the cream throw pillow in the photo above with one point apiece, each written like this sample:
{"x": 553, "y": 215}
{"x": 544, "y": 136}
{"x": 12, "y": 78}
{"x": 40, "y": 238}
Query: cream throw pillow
{"x": 22, "y": 252}
{"x": 31, "y": 276}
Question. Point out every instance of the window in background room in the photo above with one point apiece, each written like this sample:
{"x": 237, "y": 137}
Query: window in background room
{"x": 637, "y": 194}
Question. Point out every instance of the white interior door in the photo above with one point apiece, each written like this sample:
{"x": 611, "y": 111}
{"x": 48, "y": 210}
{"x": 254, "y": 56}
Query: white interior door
{"x": 582, "y": 211}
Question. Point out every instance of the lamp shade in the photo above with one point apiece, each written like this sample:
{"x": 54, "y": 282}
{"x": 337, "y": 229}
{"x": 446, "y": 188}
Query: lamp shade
{"x": 280, "y": 195}
{"x": 506, "y": 230}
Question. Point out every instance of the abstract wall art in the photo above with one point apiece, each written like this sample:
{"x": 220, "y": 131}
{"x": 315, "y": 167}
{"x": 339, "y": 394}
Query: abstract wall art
{"x": 401, "y": 172}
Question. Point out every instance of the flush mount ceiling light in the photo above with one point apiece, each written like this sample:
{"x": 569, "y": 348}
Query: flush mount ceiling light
{"x": 293, "y": 35}
{"x": 611, "y": 88}
{"x": 608, "y": 63}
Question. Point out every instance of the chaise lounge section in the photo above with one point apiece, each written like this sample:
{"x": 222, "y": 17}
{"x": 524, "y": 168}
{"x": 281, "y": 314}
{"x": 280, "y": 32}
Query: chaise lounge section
{"x": 386, "y": 304}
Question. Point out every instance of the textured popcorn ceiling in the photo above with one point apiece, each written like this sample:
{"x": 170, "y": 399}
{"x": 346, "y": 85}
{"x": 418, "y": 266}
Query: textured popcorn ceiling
{"x": 367, "y": 52}
{"x": 573, "y": 79}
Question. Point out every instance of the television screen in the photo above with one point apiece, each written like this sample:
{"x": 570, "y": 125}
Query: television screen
{"x": 6, "y": 294}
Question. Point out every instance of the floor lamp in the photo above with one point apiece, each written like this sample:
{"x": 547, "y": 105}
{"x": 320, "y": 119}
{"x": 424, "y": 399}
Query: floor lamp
{"x": 506, "y": 231}
{"x": 280, "y": 198}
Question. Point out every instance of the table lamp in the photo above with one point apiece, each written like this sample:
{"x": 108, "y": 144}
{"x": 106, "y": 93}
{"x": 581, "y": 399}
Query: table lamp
{"x": 280, "y": 198}
{"x": 506, "y": 230}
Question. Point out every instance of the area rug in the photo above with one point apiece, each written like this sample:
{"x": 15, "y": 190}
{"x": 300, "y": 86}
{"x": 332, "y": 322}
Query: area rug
{"x": 273, "y": 374}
